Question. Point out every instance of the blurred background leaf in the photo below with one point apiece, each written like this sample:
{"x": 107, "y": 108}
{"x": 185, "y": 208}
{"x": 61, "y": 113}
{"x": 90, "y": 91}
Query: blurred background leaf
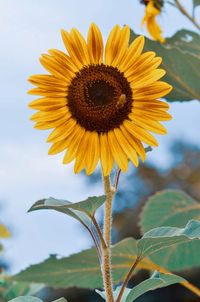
{"x": 196, "y": 3}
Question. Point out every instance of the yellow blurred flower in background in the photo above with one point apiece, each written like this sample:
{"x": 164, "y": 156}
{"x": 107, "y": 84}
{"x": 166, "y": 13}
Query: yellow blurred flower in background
{"x": 151, "y": 12}
{"x": 4, "y": 233}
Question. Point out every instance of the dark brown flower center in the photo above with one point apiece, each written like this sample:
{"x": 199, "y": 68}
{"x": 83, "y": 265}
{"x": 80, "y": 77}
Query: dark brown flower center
{"x": 99, "y": 98}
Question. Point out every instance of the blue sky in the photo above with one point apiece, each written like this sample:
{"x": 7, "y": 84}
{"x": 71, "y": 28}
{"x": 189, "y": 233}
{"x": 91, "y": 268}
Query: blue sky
{"x": 27, "y": 173}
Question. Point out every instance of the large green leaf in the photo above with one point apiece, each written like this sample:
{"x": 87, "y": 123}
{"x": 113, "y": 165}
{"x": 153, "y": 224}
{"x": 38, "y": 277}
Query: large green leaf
{"x": 172, "y": 208}
{"x": 81, "y": 211}
{"x": 157, "y": 280}
{"x": 163, "y": 237}
{"x": 180, "y": 56}
{"x": 82, "y": 269}
{"x": 187, "y": 42}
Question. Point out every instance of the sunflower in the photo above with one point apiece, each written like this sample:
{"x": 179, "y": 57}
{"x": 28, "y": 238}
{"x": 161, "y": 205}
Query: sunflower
{"x": 100, "y": 104}
{"x": 152, "y": 10}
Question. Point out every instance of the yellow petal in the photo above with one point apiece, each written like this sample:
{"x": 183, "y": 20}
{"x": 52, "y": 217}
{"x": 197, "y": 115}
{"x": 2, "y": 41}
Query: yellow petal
{"x": 63, "y": 59}
{"x": 157, "y": 115}
{"x": 62, "y": 131}
{"x": 43, "y": 116}
{"x": 134, "y": 142}
{"x": 152, "y": 77}
{"x": 73, "y": 147}
{"x": 112, "y": 45}
{"x": 56, "y": 69}
{"x": 128, "y": 149}
{"x": 106, "y": 155}
{"x": 48, "y": 104}
{"x": 95, "y": 44}
{"x": 155, "y": 104}
{"x": 51, "y": 124}
{"x": 134, "y": 73}
{"x": 92, "y": 156}
{"x": 62, "y": 144}
{"x": 143, "y": 62}
{"x": 132, "y": 54}
{"x": 151, "y": 12}
{"x": 48, "y": 93}
{"x": 76, "y": 47}
{"x": 153, "y": 91}
{"x": 140, "y": 133}
{"x": 47, "y": 81}
{"x": 122, "y": 47}
{"x": 119, "y": 155}
{"x": 148, "y": 124}
{"x": 81, "y": 154}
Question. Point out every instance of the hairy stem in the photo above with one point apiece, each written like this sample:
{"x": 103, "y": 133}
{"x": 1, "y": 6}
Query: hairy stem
{"x": 106, "y": 251}
{"x": 127, "y": 278}
{"x": 185, "y": 13}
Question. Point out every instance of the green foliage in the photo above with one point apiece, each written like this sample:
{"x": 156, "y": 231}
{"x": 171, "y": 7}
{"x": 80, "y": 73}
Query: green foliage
{"x": 172, "y": 208}
{"x": 82, "y": 269}
{"x": 196, "y": 3}
{"x": 33, "y": 299}
{"x": 162, "y": 237}
{"x": 181, "y": 61}
{"x": 11, "y": 290}
{"x": 157, "y": 280}
{"x": 81, "y": 211}
{"x": 26, "y": 299}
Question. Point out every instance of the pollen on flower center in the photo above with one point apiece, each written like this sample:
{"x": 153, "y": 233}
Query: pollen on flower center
{"x": 99, "y": 98}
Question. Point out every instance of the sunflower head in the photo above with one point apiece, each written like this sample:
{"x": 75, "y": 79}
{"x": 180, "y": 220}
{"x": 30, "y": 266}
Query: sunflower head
{"x": 152, "y": 10}
{"x": 102, "y": 103}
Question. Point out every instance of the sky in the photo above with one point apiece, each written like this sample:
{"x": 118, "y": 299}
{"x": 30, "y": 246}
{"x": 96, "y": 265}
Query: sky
{"x": 27, "y": 173}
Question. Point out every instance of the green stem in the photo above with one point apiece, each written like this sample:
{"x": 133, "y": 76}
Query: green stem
{"x": 106, "y": 251}
{"x": 185, "y": 13}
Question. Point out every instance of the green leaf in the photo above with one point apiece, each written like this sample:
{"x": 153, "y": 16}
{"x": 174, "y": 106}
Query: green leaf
{"x": 78, "y": 210}
{"x": 26, "y": 299}
{"x": 16, "y": 289}
{"x": 82, "y": 269}
{"x": 172, "y": 208}
{"x": 186, "y": 41}
{"x": 162, "y": 237}
{"x": 180, "y": 56}
{"x": 157, "y": 280}
{"x": 196, "y": 3}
